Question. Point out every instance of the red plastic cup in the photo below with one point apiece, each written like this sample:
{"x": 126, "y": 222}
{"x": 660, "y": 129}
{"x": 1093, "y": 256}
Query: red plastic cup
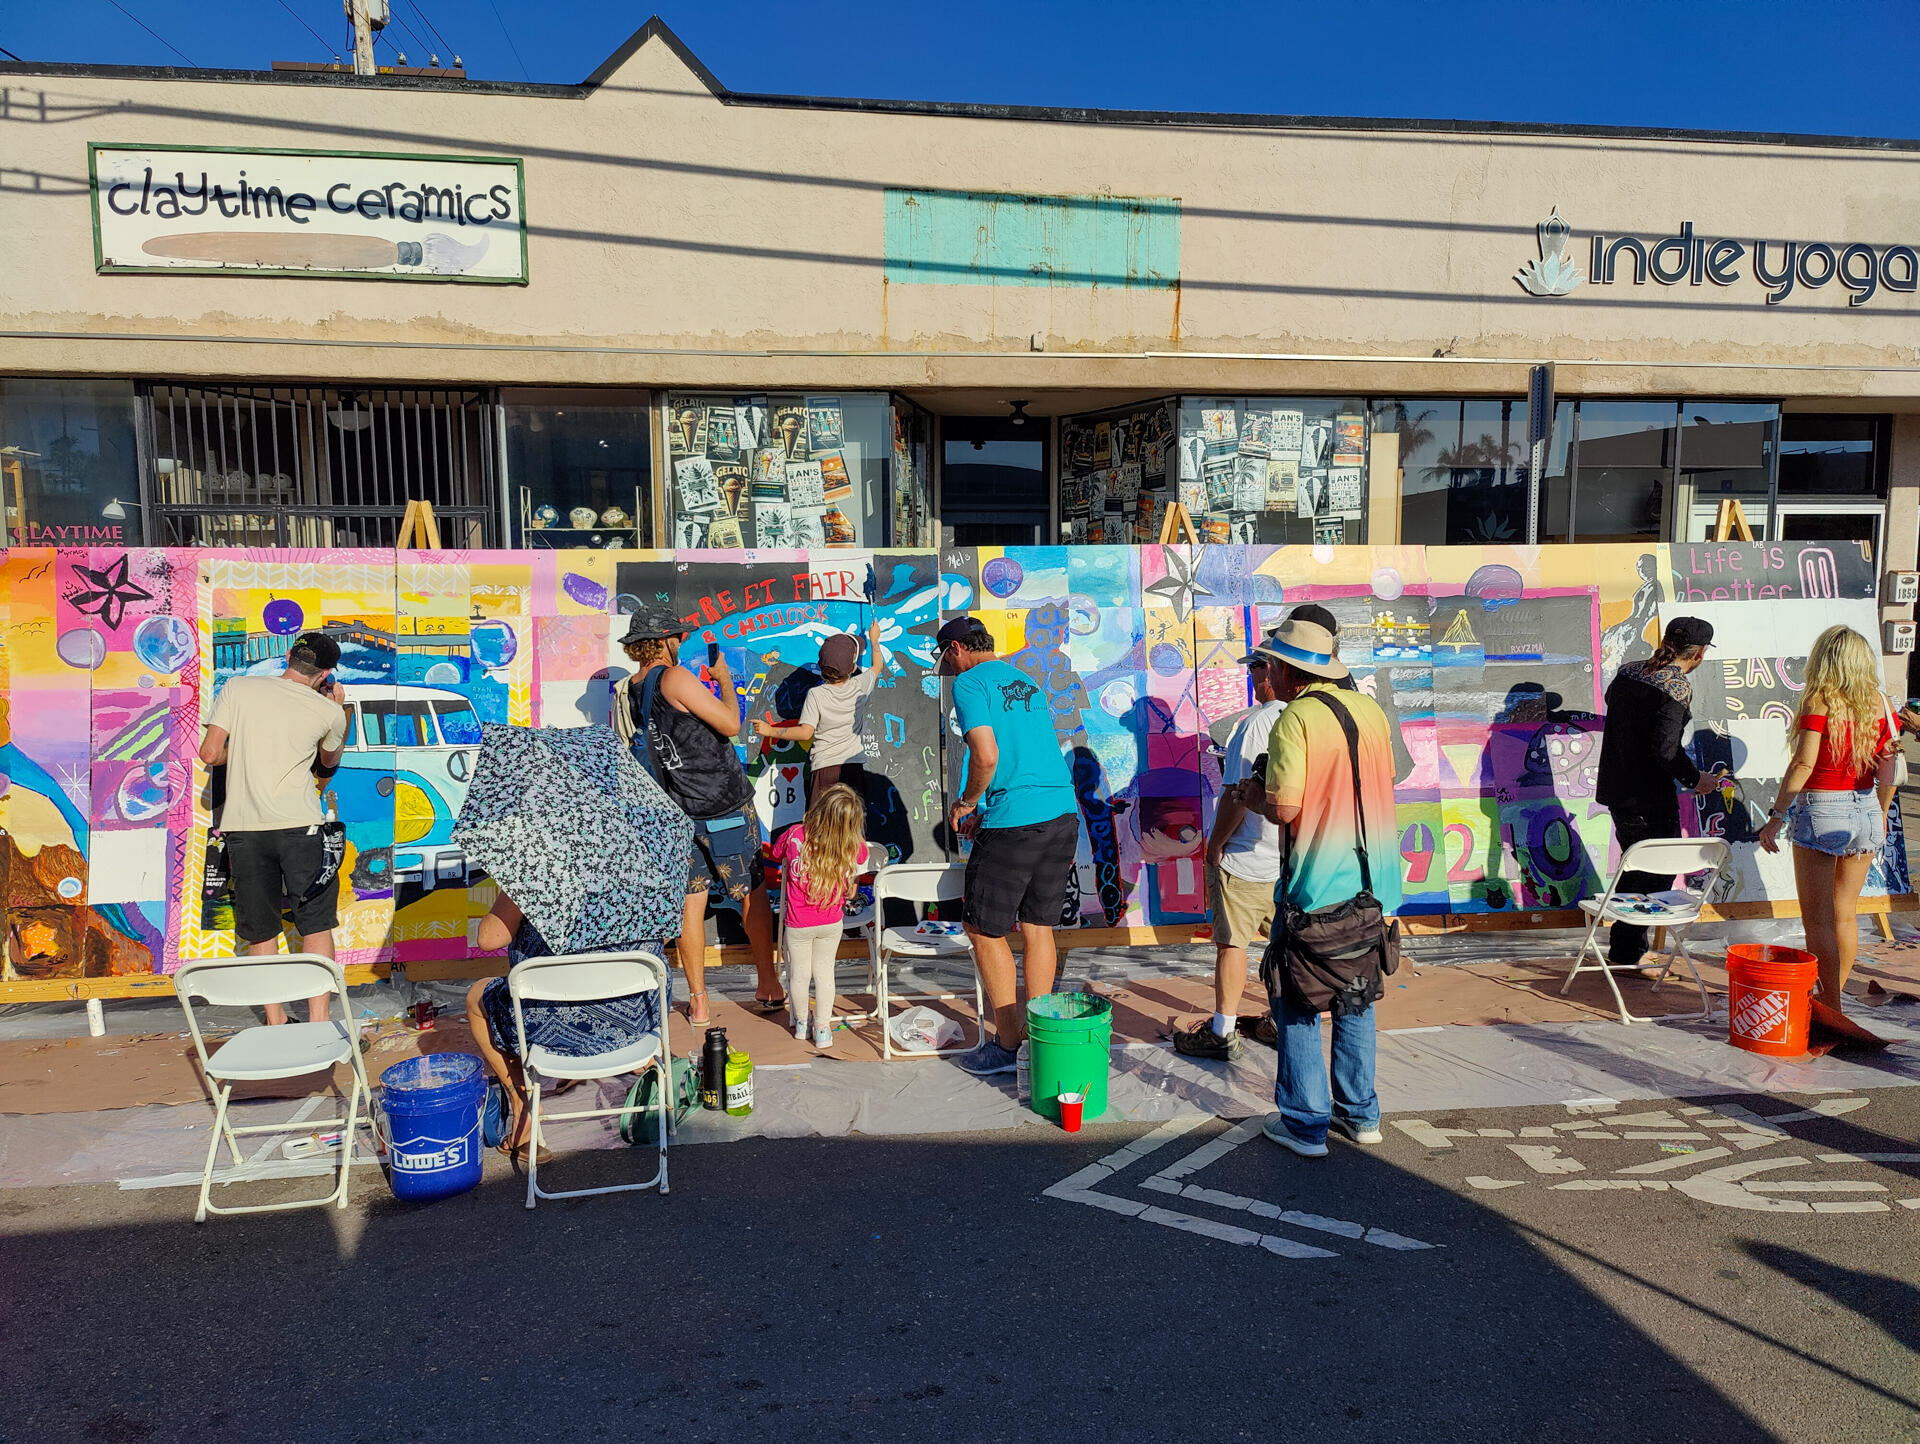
{"x": 1070, "y": 1105}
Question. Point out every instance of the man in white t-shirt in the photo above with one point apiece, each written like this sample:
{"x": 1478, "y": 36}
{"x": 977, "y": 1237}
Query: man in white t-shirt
{"x": 1243, "y": 864}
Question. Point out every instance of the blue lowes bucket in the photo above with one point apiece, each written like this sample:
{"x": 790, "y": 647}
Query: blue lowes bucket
{"x": 434, "y": 1105}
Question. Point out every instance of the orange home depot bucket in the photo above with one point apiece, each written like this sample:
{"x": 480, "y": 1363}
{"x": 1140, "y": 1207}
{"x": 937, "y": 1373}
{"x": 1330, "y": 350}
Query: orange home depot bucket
{"x": 1769, "y": 998}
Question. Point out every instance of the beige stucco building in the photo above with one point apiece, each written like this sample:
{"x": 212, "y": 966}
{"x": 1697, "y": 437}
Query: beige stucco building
{"x": 664, "y": 247}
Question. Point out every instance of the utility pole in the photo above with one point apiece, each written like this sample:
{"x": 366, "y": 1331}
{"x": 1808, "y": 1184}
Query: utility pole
{"x": 367, "y": 16}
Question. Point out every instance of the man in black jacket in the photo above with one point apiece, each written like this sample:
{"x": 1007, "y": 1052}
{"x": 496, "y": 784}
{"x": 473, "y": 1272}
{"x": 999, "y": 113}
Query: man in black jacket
{"x": 1642, "y": 758}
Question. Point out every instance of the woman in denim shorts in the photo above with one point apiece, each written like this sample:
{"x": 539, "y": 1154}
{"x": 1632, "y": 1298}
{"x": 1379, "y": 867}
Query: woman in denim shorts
{"x": 1833, "y": 802}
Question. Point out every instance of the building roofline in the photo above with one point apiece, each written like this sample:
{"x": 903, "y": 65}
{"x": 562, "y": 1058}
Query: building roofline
{"x": 657, "y": 29}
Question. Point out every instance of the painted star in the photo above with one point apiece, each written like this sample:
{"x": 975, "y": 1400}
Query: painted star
{"x": 107, "y": 593}
{"x": 1181, "y": 584}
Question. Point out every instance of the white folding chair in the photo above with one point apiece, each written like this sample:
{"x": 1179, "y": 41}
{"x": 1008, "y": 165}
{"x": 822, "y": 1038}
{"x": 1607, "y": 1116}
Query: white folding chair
{"x": 591, "y": 978}
{"x": 1668, "y": 857}
{"x": 917, "y": 882}
{"x": 292, "y": 1050}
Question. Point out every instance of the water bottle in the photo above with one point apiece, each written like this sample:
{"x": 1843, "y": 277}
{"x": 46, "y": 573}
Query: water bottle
{"x": 1023, "y": 1073}
{"x": 739, "y": 1096}
{"x": 713, "y": 1069}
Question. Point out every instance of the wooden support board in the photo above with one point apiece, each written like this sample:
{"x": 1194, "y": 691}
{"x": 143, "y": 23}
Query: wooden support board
{"x": 419, "y": 528}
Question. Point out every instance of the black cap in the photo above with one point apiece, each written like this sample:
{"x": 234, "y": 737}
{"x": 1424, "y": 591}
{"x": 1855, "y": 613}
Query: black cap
{"x": 959, "y": 629}
{"x": 326, "y": 651}
{"x": 654, "y": 623}
{"x": 1684, "y": 632}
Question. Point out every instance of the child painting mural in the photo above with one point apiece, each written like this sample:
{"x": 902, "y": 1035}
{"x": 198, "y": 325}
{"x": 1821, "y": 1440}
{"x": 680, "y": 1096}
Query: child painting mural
{"x": 827, "y": 716}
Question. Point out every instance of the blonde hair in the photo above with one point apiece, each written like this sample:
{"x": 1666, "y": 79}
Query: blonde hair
{"x": 829, "y": 854}
{"x": 649, "y": 650}
{"x": 1843, "y": 684}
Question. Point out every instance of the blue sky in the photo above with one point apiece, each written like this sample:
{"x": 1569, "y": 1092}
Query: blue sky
{"x": 1769, "y": 65}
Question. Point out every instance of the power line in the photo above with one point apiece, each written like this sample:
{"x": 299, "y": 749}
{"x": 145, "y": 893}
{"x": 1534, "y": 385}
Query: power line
{"x": 510, "y": 45}
{"x": 432, "y": 29}
{"x": 154, "y": 33}
{"x": 10, "y": 55}
{"x": 310, "y": 30}
{"x": 425, "y": 49}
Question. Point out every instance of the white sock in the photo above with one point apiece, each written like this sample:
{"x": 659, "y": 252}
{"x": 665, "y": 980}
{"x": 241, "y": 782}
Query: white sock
{"x": 1222, "y": 1024}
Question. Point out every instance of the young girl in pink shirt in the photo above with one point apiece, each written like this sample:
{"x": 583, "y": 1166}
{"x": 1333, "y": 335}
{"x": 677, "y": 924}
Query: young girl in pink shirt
{"x": 819, "y": 857}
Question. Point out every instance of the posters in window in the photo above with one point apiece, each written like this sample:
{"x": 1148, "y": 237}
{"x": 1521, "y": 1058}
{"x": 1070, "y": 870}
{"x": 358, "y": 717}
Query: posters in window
{"x": 1349, "y": 439}
{"x": 769, "y": 480}
{"x": 723, "y": 434}
{"x": 825, "y": 425}
{"x": 750, "y": 414}
{"x": 773, "y": 524}
{"x": 1346, "y": 494}
{"x": 1283, "y": 483}
{"x": 725, "y": 534}
{"x": 790, "y": 431}
{"x": 806, "y": 484}
{"x": 1286, "y": 435}
{"x": 687, "y": 430}
{"x": 698, "y": 487}
{"x": 809, "y": 526}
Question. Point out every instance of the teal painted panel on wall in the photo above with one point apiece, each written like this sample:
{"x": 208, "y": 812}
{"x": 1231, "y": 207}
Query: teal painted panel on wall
{"x": 982, "y": 238}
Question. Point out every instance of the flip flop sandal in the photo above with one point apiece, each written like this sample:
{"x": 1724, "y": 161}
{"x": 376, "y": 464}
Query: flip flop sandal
{"x": 770, "y": 1005}
{"x": 706, "y": 1021}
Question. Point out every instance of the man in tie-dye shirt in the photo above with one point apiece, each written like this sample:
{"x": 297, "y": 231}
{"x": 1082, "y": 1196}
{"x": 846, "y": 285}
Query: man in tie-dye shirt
{"x": 1309, "y": 791}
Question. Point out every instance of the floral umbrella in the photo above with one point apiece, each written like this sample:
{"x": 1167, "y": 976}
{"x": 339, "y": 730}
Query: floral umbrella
{"x": 576, "y": 832}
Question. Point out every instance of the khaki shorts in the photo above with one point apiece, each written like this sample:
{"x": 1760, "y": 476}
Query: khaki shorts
{"x": 1242, "y": 910}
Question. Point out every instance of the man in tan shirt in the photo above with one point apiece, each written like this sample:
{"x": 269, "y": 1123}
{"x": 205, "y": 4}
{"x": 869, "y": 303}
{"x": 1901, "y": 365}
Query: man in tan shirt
{"x": 268, "y": 731}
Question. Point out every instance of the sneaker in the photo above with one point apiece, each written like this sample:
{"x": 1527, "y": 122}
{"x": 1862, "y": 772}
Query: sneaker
{"x": 1370, "y": 1134}
{"x": 1200, "y": 1041}
{"x": 1261, "y": 1028}
{"x": 800, "y": 1029}
{"x": 1276, "y": 1128}
{"x": 988, "y": 1059}
{"x": 823, "y": 1040}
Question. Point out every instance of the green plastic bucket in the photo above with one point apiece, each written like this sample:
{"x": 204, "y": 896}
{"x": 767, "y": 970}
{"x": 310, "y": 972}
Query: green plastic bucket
{"x": 1070, "y": 1040}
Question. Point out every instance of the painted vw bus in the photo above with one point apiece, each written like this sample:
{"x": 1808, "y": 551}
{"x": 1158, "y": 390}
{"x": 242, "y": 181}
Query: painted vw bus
{"x": 433, "y": 736}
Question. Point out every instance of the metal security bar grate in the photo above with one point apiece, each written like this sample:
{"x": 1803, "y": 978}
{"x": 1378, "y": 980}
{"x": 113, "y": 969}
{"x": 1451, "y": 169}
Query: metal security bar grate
{"x": 298, "y": 466}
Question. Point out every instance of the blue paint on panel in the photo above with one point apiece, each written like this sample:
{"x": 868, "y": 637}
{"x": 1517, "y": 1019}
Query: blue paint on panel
{"x": 972, "y": 238}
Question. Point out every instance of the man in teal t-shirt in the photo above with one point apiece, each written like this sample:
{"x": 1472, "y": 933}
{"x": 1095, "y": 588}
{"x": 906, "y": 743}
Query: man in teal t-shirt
{"x": 1017, "y": 804}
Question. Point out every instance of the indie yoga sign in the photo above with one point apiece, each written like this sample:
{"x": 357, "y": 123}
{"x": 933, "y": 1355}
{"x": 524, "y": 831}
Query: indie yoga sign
{"x": 308, "y": 213}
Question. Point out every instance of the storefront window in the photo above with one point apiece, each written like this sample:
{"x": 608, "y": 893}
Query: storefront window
{"x": 1725, "y": 453}
{"x": 580, "y": 468}
{"x": 1833, "y": 455}
{"x": 1118, "y": 474}
{"x": 913, "y": 522}
{"x": 69, "y": 465}
{"x": 1463, "y": 470}
{"x": 1556, "y": 480}
{"x": 779, "y": 470}
{"x": 1623, "y": 477}
{"x": 1274, "y": 469}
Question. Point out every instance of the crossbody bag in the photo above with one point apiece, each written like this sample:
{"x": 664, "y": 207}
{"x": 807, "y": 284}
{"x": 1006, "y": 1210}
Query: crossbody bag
{"x": 1333, "y": 958}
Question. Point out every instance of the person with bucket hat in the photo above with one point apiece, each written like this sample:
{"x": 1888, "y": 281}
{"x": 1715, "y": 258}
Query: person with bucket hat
{"x": 270, "y": 733}
{"x": 1329, "y": 784}
{"x": 683, "y": 735}
{"x": 1018, "y": 805}
{"x": 1643, "y": 755}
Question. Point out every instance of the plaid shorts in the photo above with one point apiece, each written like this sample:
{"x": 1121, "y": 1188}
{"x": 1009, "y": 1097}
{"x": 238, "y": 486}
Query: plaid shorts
{"x": 1019, "y": 875}
{"x": 727, "y": 864}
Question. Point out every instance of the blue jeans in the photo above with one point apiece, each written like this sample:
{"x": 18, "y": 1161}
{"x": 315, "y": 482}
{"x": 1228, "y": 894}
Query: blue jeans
{"x": 1300, "y": 1086}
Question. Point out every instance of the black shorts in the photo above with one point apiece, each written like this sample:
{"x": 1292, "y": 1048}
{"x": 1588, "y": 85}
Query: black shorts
{"x": 275, "y": 865}
{"x": 1019, "y": 875}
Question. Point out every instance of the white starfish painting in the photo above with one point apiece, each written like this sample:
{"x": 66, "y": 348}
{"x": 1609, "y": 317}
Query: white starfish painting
{"x": 1181, "y": 585}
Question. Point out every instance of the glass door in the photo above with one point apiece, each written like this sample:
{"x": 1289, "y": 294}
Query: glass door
{"x": 993, "y": 482}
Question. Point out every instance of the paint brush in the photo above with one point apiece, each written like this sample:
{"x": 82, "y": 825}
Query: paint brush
{"x": 439, "y": 255}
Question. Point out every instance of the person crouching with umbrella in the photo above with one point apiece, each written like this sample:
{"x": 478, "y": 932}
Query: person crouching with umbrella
{"x": 589, "y": 855}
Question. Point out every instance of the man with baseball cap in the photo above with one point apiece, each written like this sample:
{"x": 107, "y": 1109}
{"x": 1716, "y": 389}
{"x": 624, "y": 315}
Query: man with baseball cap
{"x": 1018, "y": 805}
{"x": 1243, "y": 864}
{"x": 1643, "y": 756}
{"x": 269, "y": 732}
{"x": 1310, "y": 790}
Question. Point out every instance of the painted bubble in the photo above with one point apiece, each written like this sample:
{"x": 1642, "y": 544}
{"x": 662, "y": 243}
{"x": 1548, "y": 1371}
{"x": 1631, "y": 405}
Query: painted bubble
{"x": 164, "y": 643}
{"x": 1117, "y": 697}
{"x": 1495, "y": 582}
{"x": 142, "y": 795}
{"x": 283, "y": 618}
{"x": 493, "y": 643}
{"x": 1166, "y": 659}
{"x": 442, "y": 674}
{"x": 1002, "y": 577}
{"x": 83, "y": 648}
{"x": 70, "y": 888}
{"x": 1387, "y": 585}
{"x": 585, "y": 590}
{"x": 1083, "y": 616}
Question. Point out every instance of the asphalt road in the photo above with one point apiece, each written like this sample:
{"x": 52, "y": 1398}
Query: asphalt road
{"x": 933, "y": 1288}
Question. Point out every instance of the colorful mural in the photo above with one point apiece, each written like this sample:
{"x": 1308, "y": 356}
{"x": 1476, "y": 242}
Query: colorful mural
{"x": 1492, "y": 663}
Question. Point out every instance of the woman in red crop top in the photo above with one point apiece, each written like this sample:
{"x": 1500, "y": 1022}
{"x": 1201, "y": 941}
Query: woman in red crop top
{"x": 1833, "y": 802}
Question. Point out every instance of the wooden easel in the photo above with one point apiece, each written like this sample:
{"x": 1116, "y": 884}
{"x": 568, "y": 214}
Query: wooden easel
{"x": 1178, "y": 519}
{"x": 1731, "y": 521}
{"x": 418, "y": 528}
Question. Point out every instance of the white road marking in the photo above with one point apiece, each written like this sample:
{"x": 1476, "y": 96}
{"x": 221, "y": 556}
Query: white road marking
{"x": 1545, "y": 1159}
{"x": 1870, "y": 1158}
{"x": 1483, "y": 1182}
{"x": 1681, "y": 1160}
{"x": 1080, "y": 1187}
